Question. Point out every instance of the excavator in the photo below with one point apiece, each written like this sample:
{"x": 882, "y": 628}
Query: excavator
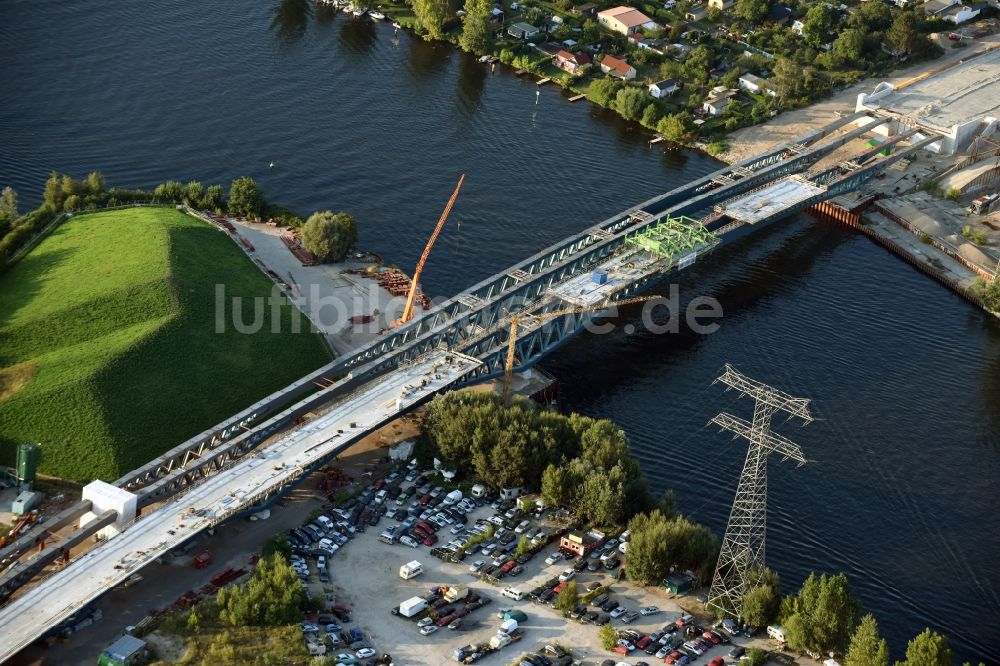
{"x": 515, "y": 321}
{"x": 408, "y": 310}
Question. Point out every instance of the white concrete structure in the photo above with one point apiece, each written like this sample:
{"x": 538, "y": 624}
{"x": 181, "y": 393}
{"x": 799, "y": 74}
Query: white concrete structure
{"x": 960, "y": 103}
{"x": 767, "y": 201}
{"x": 103, "y": 497}
{"x": 43, "y": 606}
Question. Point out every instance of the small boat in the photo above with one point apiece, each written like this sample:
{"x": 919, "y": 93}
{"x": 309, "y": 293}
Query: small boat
{"x": 360, "y": 11}
{"x": 395, "y": 24}
{"x": 378, "y": 16}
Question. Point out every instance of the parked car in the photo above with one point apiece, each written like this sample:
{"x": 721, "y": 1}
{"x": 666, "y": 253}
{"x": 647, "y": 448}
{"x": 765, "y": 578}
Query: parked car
{"x": 553, "y": 558}
{"x": 428, "y": 630}
{"x": 409, "y": 541}
{"x": 568, "y": 574}
{"x": 618, "y": 612}
{"x": 625, "y": 644}
{"x": 646, "y": 611}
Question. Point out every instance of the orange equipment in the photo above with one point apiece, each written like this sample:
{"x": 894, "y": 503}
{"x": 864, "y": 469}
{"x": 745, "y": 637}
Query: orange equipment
{"x": 408, "y": 310}
{"x": 22, "y": 525}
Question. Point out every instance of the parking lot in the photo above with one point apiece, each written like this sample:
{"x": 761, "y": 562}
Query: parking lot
{"x": 364, "y": 575}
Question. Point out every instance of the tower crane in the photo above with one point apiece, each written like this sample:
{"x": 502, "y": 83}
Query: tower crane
{"x": 515, "y": 321}
{"x": 408, "y": 310}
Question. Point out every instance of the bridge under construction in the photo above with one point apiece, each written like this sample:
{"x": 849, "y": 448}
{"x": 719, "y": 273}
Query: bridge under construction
{"x": 272, "y": 444}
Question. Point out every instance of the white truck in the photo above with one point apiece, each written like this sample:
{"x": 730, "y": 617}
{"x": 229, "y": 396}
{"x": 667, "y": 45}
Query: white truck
{"x": 412, "y": 606}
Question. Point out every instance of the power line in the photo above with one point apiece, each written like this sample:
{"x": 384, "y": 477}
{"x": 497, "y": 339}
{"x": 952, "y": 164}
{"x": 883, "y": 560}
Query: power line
{"x": 742, "y": 549}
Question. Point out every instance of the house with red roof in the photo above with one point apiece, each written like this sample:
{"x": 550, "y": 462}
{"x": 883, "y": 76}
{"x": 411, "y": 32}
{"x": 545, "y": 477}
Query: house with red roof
{"x": 574, "y": 63}
{"x": 617, "y": 67}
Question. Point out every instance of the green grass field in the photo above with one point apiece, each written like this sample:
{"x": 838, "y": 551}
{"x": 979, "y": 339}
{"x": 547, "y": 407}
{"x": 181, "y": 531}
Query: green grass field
{"x": 109, "y": 353}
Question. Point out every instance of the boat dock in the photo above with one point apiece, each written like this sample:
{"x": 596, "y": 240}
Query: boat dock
{"x": 542, "y": 82}
{"x": 577, "y": 98}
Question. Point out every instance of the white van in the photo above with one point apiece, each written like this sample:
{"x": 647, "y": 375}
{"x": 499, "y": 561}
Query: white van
{"x": 410, "y": 570}
{"x": 776, "y": 632}
{"x": 512, "y": 593}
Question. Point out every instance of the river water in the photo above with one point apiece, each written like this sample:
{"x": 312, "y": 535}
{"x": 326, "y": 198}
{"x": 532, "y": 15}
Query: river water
{"x": 905, "y": 376}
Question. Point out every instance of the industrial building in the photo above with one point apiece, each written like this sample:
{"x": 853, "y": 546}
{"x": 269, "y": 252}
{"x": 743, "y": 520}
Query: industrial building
{"x": 959, "y": 102}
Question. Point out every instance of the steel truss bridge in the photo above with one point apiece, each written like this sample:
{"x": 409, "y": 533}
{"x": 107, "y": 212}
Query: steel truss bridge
{"x": 638, "y": 245}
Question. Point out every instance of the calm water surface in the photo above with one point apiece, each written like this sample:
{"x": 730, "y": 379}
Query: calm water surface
{"x": 905, "y": 376}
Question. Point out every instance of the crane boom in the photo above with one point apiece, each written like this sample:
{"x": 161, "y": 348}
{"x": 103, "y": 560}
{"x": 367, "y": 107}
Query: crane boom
{"x": 515, "y": 321}
{"x": 408, "y": 310}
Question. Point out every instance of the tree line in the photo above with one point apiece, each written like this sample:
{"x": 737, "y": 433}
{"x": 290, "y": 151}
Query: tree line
{"x": 574, "y": 461}
{"x": 824, "y": 617}
{"x": 329, "y": 236}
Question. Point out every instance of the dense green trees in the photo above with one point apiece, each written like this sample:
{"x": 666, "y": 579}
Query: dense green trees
{"x": 673, "y": 127}
{"x": 477, "y": 33}
{"x": 169, "y": 191}
{"x": 608, "y": 636}
{"x": 929, "y": 648}
{"x": 819, "y": 24}
{"x": 867, "y": 648}
{"x": 751, "y": 12}
{"x": 659, "y": 542}
{"x": 329, "y": 236}
{"x": 762, "y": 599}
{"x": 8, "y": 210}
{"x": 650, "y": 116}
{"x": 213, "y": 199}
{"x": 630, "y": 101}
{"x": 569, "y": 598}
{"x": 431, "y": 16}
{"x": 850, "y": 44}
{"x": 822, "y": 616}
{"x": 575, "y": 461}
{"x": 194, "y": 193}
{"x": 245, "y": 198}
{"x": 902, "y": 36}
{"x": 602, "y": 91}
{"x": 272, "y": 597}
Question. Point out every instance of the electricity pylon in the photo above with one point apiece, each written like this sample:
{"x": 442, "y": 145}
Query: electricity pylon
{"x": 742, "y": 549}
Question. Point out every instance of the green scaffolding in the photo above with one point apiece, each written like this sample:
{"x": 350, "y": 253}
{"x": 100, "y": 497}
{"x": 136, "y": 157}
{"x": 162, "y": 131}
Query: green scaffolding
{"x": 674, "y": 237}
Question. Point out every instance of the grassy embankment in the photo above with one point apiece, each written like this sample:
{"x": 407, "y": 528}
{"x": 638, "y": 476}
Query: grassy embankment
{"x": 108, "y": 349}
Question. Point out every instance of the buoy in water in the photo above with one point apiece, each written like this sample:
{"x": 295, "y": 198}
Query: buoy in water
{"x": 270, "y": 165}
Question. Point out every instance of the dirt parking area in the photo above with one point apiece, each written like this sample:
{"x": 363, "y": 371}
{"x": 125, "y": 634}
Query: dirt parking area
{"x": 365, "y": 574}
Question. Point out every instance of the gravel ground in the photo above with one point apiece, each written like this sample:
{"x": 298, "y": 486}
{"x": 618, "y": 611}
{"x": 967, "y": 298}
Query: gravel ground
{"x": 365, "y": 574}
{"x": 325, "y": 293}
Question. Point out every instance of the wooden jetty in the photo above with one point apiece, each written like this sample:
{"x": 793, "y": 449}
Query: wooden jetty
{"x": 542, "y": 82}
{"x": 577, "y": 98}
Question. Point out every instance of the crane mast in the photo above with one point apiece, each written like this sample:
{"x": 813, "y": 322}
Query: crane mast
{"x": 411, "y": 295}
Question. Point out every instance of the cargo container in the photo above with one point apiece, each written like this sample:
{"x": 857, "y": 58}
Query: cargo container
{"x": 412, "y": 606}
{"x": 125, "y": 651}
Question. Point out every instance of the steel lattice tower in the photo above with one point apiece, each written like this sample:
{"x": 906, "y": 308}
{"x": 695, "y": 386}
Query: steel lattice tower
{"x": 743, "y": 544}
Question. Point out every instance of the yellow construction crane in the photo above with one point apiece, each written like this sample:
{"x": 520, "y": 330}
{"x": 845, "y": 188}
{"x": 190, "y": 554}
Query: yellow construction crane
{"x": 515, "y": 321}
{"x": 408, "y": 310}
